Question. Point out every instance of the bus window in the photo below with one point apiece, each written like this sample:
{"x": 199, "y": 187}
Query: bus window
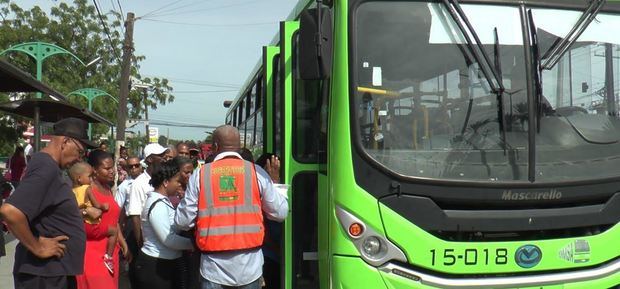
{"x": 242, "y": 134}
{"x": 249, "y": 133}
{"x": 240, "y": 114}
{"x": 258, "y": 135}
{"x": 277, "y": 106}
{"x": 252, "y": 102}
{"x": 259, "y": 93}
{"x": 248, "y": 104}
{"x": 234, "y": 118}
{"x": 307, "y": 102}
{"x": 305, "y": 237}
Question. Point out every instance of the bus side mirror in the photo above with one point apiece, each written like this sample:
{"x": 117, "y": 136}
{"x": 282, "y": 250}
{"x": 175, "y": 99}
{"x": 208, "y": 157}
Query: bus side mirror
{"x": 315, "y": 51}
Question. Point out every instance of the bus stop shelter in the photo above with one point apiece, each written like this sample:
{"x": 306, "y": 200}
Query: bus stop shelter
{"x": 51, "y": 108}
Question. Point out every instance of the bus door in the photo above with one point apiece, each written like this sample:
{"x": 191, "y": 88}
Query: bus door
{"x": 300, "y": 136}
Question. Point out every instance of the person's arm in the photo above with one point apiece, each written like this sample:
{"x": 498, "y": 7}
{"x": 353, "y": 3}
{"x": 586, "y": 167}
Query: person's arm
{"x": 90, "y": 197}
{"x": 123, "y": 244}
{"x": 274, "y": 205}
{"x": 187, "y": 210}
{"x": 137, "y": 229}
{"x": 160, "y": 222}
{"x": 42, "y": 247}
{"x": 91, "y": 212}
{"x": 134, "y": 211}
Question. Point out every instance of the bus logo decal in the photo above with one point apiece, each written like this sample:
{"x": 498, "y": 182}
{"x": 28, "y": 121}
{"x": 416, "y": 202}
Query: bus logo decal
{"x": 576, "y": 252}
{"x": 553, "y": 194}
{"x": 528, "y": 256}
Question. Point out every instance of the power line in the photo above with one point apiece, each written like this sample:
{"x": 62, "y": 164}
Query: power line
{"x": 175, "y": 123}
{"x": 203, "y": 83}
{"x": 210, "y": 25}
{"x": 183, "y": 6}
{"x": 121, "y": 9}
{"x": 160, "y": 8}
{"x": 201, "y": 10}
{"x": 105, "y": 29}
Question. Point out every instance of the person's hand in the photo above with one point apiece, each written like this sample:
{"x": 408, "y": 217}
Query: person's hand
{"x": 105, "y": 207}
{"x": 92, "y": 212}
{"x": 50, "y": 247}
{"x": 126, "y": 253}
{"x": 273, "y": 168}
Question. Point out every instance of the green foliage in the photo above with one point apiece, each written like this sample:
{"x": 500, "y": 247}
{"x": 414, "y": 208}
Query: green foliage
{"x": 76, "y": 27}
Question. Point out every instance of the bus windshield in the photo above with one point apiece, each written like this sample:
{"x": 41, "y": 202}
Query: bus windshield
{"x": 424, "y": 109}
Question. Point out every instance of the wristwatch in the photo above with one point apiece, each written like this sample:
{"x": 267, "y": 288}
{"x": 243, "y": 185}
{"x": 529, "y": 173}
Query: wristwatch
{"x": 84, "y": 213}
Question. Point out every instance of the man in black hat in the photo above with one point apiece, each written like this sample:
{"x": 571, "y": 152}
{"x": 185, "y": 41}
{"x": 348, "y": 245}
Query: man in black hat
{"x": 43, "y": 214}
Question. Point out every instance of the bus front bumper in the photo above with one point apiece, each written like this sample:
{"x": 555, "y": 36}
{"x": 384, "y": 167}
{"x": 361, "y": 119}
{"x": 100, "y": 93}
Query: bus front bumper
{"x": 353, "y": 272}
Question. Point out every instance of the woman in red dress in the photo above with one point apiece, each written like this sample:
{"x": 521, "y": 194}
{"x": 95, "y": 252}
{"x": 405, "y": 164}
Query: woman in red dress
{"x": 96, "y": 275}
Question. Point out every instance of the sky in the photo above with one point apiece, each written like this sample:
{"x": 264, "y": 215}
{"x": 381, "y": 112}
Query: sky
{"x": 207, "y": 58}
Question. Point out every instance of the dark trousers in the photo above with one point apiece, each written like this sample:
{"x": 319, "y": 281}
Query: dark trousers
{"x": 189, "y": 270}
{"x": 133, "y": 247}
{"x": 155, "y": 273}
{"x": 27, "y": 281}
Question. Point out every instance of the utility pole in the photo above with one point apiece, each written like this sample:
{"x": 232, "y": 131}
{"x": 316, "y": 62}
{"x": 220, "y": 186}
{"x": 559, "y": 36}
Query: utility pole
{"x": 124, "y": 89}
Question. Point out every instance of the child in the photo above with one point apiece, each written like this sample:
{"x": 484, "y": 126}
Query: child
{"x": 80, "y": 174}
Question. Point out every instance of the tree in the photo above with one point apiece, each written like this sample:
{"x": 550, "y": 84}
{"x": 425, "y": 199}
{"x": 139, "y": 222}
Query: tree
{"x": 77, "y": 28}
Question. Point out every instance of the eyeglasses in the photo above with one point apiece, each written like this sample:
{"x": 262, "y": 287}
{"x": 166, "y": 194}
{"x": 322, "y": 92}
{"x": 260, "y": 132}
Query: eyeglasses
{"x": 134, "y": 166}
{"x": 78, "y": 146}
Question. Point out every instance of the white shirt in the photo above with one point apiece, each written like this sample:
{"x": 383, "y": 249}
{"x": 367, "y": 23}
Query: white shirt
{"x": 160, "y": 238}
{"x": 122, "y": 195}
{"x": 232, "y": 268}
{"x": 137, "y": 194}
{"x": 28, "y": 151}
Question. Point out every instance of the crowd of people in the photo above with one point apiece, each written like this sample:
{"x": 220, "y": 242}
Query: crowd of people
{"x": 173, "y": 221}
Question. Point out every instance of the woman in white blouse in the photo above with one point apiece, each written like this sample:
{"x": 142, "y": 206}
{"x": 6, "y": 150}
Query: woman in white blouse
{"x": 156, "y": 265}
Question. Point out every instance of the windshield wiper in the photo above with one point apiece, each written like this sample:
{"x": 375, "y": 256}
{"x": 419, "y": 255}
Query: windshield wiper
{"x": 557, "y": 51}
{"x": 477, "y": 51}
{"x": 534, "y": 97}
{"x": 500, "y": 93}
{"x": 537, "y": 73}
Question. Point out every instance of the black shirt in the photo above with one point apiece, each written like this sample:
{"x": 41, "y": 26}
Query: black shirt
{"x": 45, "y": 196}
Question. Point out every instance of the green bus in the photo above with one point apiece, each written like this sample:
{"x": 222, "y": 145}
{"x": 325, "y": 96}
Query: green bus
{"x": 443, "y": 144}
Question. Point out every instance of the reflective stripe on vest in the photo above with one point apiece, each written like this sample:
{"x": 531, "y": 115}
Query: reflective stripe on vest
{"x": 225, "y": 222}
{"x": 218, "y": 231}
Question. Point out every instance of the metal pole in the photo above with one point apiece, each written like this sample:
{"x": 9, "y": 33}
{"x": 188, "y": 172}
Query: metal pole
{"x": 609, "y": 80}
{"x": 37, "y": 129}
{"x": 90, "y": 125}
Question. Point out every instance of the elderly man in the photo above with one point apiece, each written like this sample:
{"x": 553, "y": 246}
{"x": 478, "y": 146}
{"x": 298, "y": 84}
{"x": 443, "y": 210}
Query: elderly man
{"x": 43, "y": 214}
{"x": 231, "y": 254}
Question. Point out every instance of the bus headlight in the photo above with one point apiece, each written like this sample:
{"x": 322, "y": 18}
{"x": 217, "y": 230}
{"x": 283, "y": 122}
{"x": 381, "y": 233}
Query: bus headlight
{"x": 373, "y": 247}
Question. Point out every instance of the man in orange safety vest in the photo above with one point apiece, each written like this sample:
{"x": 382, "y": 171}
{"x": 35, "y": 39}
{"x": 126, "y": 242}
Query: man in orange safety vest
{"x": 225, "y": 201}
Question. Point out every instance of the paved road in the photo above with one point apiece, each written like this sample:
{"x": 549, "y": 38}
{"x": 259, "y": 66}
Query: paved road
{"x": 6, "y": 266}
{"x": 6, "y": 263}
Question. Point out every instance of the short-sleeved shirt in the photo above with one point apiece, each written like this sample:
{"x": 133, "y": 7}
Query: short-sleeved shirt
{"x": 122, "y": 195}
{"x": 46, "y": 199}
{"x": 137, "y": 194}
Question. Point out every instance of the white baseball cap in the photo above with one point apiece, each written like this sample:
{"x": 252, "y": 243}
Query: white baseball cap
{"x": 154, "y": 149}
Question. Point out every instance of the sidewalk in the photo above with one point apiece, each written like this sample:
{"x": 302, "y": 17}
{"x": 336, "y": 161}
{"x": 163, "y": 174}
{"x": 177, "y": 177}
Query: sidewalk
{"x": 6, "y": 263}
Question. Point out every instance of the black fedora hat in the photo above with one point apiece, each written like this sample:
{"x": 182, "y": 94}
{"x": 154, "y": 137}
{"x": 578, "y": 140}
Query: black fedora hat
{"x": 74, "y": 128}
